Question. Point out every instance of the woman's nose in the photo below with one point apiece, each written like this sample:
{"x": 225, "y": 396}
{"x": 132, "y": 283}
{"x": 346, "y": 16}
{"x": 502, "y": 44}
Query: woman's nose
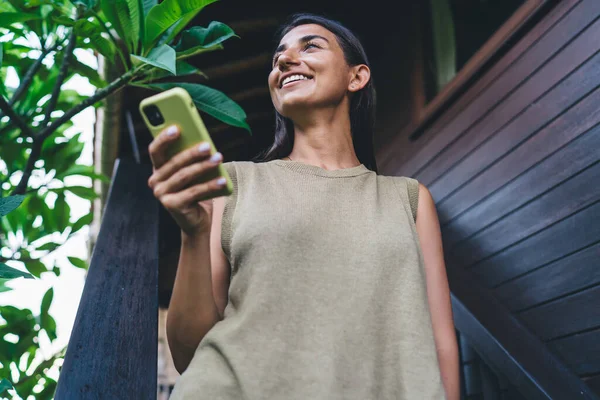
{"x": 287, "y": 58}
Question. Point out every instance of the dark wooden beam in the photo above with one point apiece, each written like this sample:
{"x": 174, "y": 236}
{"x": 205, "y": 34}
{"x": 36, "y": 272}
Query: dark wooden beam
{"x": 112, "y": 352}
{"x": 506, "y": 345}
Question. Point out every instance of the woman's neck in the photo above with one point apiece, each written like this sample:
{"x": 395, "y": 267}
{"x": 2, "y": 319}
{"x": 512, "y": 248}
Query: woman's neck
{"x": 324, "y": 141}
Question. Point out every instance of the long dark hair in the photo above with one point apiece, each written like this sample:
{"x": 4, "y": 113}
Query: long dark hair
{"x": 362, "y": 104}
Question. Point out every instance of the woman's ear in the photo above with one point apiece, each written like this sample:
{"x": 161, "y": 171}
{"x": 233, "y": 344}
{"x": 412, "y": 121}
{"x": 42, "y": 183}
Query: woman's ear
{"x": 359, "y": 77}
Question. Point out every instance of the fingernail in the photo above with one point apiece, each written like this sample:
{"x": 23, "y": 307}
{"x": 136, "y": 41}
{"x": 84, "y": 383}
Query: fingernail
{"x": 216, "y": 157}
{"x": 204, "y": 146}
{"x": 172, "y": 130}
{"x": 221, "y": 181}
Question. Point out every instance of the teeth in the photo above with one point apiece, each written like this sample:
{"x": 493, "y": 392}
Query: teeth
{"x": 293, "y": 78}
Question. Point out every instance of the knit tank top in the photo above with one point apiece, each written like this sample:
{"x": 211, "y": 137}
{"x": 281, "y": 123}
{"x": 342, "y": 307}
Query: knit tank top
{"x": 327, "y": 296}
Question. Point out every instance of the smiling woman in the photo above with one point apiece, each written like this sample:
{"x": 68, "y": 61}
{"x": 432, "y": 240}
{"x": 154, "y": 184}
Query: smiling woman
{"x": 317, "y": 278}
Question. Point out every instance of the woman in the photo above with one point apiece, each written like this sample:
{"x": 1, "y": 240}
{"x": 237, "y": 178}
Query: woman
{"x": 317, "y": 278}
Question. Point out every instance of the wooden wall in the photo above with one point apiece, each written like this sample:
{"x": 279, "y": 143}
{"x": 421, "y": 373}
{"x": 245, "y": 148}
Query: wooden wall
{"x": 514, "y": 168}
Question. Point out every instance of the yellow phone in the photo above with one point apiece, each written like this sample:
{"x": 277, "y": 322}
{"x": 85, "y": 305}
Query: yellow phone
{"x": 176, "y": 107}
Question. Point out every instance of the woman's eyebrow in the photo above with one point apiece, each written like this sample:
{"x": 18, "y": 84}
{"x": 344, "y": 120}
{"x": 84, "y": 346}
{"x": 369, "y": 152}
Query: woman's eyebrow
{"x": 303, "y": 39}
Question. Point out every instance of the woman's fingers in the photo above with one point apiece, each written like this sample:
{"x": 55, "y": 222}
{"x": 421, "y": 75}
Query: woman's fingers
{"x": 157, "y": 148}
{"x": 187, "y": 176}
{"x": 178, "y": 162}
{"x": 195, "y": 193}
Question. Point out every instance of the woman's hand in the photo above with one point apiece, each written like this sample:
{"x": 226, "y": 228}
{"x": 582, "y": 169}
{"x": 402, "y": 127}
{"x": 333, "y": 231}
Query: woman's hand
{"x": 181, "y": 184}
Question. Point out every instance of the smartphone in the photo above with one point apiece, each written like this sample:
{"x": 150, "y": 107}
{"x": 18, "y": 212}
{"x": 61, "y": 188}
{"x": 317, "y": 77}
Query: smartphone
{"x": 176, "y": 107}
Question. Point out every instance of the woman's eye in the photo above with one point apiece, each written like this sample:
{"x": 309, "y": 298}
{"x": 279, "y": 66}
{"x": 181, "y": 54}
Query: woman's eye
{"x": 309, "y": 45}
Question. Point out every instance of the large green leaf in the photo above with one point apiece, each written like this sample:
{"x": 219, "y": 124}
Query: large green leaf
{"x": 161, "y": 57}
{"x": 170, "y": 13}
{"x": 83, "y": 192}
{"x": 7, "y": 272}
{"x": 81, "y": 222}
{"x": 88, "y": 4}
{"x": 78, "y": 262}
{"x": 198, "y": 39}
{"x": 36, "y": 267}
{"x": 8, "y": 204}
{"x": 9, "y": 18}
{"x": 124, "y": 16}
{"x": 47, "y": 301}
{"x": 212, "y": 102}
{"x": 1, "y": 52}
{"x": 93, "y": 31}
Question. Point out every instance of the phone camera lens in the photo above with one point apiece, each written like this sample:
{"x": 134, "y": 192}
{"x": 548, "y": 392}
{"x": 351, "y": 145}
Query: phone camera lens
{"x": 153, "y": 114}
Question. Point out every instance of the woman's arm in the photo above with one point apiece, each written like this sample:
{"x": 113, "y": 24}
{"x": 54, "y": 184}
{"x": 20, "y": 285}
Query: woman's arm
{"x": 438, "y": 292}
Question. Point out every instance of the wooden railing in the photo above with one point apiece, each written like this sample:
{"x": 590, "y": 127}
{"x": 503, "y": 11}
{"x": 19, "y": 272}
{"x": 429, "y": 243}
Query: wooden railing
{"x": 507, "y": 346}
{"x": 112, "y": 353}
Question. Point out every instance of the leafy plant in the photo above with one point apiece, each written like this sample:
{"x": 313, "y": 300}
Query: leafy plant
{"x": 40, "y": 44}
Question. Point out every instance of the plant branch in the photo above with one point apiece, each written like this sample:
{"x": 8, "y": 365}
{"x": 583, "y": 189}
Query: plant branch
{"x": 62, "y": 74}
{"x": 14, "y": 117}
{"x": 32, "y": 71}
{"x": 38, "y": 141}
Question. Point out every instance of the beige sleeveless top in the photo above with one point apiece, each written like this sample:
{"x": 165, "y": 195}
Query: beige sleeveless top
{"x": 327, "y": 298}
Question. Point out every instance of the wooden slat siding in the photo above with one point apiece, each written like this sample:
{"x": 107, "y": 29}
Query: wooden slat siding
{"x": 112, "y": 352}
{"x": 562, "y": 277}
{"x": 507, "y": 346}
{"x": 565, "y": 316}
{"x": 555, "y": 242}
{"x": 557, "y": 86}
{"x": 494, "y": 191}
{"x": 579, "y": 352}
{"x": 558, "y": 203}
{"x": 521, "y": 61}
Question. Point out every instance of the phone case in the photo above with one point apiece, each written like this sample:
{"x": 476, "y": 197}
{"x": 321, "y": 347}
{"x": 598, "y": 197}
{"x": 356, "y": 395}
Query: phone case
{"x": 178, "y": 108}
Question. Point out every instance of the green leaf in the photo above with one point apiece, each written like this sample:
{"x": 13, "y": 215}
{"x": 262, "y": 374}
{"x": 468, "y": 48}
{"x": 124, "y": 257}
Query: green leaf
{"x": 170, "y": 13}
{"x": 83, "y": 192}
{"x": 78, "y": 262}
{"x": 81, "y": 222}
{"x": 198, "y": 39}
{"x": 125, "y": 20}
{"x": 161, "y": 57}
{"x": 62, "y": 20}
{"x": 212, "y": 102}
{"x": 48, "y": 324}
{"x": 5, "y": 385}
{"x": 1, "y": 52}
{"x": 49, "y": 246}
{"x": 36, "y": 267}
{"x": 9, "y": 18}
{"x": 62, "y": 211}
{"x": 93, "y": 31}
{"x": 7, "y": 272}
{"x": 8, "y": 204}
{"x": 47, "y": 301}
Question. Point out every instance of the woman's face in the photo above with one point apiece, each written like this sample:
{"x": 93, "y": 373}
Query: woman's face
{"x": 309, "y": 71}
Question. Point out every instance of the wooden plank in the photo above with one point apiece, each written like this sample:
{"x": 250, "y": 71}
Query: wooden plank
{"x": 579, "y": 352}
{"x": 556, "y": 86}
{"x": 561, "y": 239}
{"x": 113, "y": 346}
{"x": 549, "y": 208}
{"x": 564, "y": 316}
{"x": 564, "y": 276}
{"x": 542, "y": 43}
{"x": 507, "y": 346}
{"x": 493, "y": 200}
